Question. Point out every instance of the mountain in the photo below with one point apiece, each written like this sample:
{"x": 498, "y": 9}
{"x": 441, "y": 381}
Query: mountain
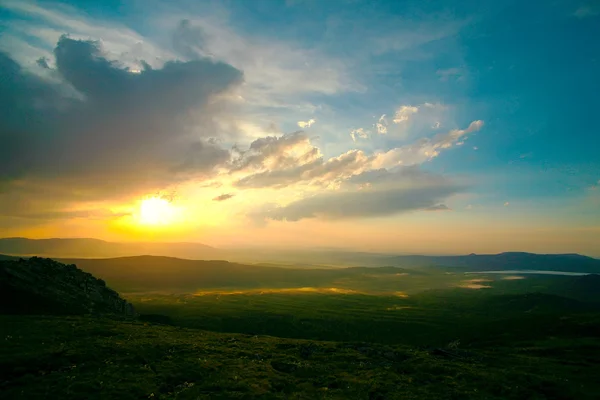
{"x": 44, "y": 286}
{"x": 152, "y": 273}
{"x": 502, "y": 261}
{"x": 95, "y": 248}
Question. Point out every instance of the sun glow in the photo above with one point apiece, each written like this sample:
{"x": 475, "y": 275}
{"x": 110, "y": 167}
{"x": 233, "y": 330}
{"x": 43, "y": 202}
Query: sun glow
{"x": 156, "y": 211}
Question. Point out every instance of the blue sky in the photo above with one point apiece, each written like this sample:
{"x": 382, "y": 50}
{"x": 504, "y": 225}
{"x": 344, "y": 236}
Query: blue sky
{"x": 482, "y": 110}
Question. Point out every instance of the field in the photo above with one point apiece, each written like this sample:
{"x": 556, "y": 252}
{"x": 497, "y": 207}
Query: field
{"x": 79, "y": 357}
{"x": 215, "y": 330}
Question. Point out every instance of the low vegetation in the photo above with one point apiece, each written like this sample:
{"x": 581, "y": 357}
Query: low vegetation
{"x": 356, "y": 333}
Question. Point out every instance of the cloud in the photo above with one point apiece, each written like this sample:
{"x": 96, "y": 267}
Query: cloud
{"x": 45, "y": 25}
{"x": 381, "y": 125}
{"x": 121, "y": 132}
{"x": 306, "y": 124}
{"x": 447, "y": 74}
{"x": 410, "y": 120}
{"x": 424, "y": 149}
{"x": 506, "y": 204}
{"x": 587, "y": 10}
{"x": 438, "y": 207}
{"x": 291, "y": 159}
{"x": 118, "y": 117}
{"x": 359, "y": 133}
{"x": 403, "y": 113}
{"x": 276, "y": 152}
{"x": 224, "y": 197}
{"x": 277, "y": 73}
{"x": 388, "y": 193}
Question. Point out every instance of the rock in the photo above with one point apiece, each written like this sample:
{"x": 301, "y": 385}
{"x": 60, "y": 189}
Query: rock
{"x": 44, "y": 286}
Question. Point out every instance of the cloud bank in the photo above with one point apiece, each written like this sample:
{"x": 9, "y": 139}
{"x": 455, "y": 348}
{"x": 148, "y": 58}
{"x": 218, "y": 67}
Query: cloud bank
{"x": 109, "y": 119}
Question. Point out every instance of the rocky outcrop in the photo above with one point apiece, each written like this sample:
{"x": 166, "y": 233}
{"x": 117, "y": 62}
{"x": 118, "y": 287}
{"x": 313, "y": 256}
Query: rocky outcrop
{"x": 44, "y": 286}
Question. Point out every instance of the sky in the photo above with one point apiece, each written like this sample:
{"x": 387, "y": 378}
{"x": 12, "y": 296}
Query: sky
{"x": 437, "y": 127}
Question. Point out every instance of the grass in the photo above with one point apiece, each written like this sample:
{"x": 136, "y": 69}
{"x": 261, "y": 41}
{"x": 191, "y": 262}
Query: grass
{"x": 84, "y": 357}
{"x": 428, "y": 319}
{"x": 353, "y": 334}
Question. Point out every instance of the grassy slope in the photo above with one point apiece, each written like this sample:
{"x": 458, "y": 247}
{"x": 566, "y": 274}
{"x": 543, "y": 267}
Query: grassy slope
{"x": 430, "y": 318}
{"x": 513, "y": 345}
{"x": 78, "y": 357}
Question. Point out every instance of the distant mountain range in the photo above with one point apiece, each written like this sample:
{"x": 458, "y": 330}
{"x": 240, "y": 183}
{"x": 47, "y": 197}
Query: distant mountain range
{"x": 504, "y": 261}
{"x": 94, "y": 248}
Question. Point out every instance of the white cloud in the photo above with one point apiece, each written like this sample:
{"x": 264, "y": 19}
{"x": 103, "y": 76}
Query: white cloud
{"x": 424, "y": 149}
{"x": 404, "y": 113}
{"x": 381, "y": 125}
{"x": 276, "y": 72}
{"x": 446, "y": 74}
{"x": 359, "y": 133}
{"x": 306, "y": 124}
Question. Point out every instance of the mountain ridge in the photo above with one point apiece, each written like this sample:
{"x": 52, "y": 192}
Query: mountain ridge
{"x": 98, "y": 248}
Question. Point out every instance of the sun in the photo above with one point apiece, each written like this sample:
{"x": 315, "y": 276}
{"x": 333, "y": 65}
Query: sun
{"x": 156, "y": 211}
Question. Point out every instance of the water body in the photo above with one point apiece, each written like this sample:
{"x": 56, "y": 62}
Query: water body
{"x": 512, "y": 272}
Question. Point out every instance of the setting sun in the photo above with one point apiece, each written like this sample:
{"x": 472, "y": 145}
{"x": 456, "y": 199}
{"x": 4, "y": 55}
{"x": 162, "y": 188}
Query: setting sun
{"x": 156, "y": 211}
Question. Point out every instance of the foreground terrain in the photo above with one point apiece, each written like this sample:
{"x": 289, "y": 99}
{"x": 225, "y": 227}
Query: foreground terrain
{"x": 183, "y": 329}
{"x": 83, "y": 357}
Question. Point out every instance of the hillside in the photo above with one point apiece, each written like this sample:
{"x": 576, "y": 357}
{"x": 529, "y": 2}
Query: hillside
{"x": 447, "y": 343}
{"x": 39, "y": 285}
{"x": 75, "y": 357}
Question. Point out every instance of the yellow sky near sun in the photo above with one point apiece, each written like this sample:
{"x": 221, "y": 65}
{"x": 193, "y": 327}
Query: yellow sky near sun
{"x": 436, "y": 233}
{"x": 193, "y": 216}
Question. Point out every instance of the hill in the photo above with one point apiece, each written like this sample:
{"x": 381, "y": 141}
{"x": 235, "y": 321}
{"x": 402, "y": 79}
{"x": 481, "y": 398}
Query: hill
{"x": 95, "y": 248}
{"x": 39, "y": 285}
{"x": 503, "y": 261}
{"x": 314, "y": 259}
{"x": 147, "y": 273}
{"x": 76, "y": 357}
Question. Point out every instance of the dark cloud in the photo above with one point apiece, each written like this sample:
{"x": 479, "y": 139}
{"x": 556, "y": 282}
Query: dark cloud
{"x": 42, "y": 62}
{"x": 388, "y": 193}
{"x": 188, "y": 39}
{"x": 105, "y": 130}
{"x": 224, "y": 197}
